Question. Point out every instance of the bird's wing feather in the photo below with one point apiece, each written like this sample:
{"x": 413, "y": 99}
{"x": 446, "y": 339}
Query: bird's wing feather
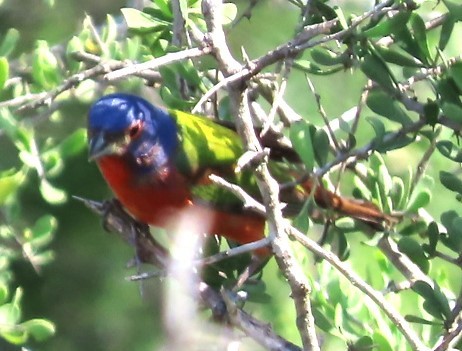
{"x": 205, "y": 144}
{"x": 206, "y": 147}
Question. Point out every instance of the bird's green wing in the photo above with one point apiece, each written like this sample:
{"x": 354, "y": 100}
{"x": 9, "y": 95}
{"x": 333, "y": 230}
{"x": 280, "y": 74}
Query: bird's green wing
{"x": 204, "y": 144}
{"x": 206, "y": 147}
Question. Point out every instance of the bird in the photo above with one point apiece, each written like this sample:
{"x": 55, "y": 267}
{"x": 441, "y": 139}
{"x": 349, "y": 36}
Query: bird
{"x": 158, "y": 162}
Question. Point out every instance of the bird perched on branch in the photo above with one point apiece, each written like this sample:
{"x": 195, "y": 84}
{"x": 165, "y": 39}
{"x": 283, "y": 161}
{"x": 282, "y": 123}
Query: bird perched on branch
{"x": 158, "y": 163}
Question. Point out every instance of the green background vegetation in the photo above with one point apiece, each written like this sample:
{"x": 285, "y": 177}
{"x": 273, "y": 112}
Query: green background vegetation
{"x": 84, "y": 290}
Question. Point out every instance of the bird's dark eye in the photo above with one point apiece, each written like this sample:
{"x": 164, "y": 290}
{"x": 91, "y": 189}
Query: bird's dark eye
{"x": 135, "y": 129}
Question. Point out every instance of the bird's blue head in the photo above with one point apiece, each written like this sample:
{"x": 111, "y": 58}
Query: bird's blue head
{"x": 129, "y": 126}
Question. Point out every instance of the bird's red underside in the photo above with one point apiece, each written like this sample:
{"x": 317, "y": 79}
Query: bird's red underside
{"x": 162, "y": 203}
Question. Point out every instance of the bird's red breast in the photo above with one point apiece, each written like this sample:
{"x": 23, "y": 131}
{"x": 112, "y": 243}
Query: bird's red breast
{"x": 160, "y": 202}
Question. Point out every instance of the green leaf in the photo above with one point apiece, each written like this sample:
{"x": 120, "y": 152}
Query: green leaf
{"x": 420, "y": 35}
{"x": 442, "y": 302}
{"x": 419, "y": 199}
{"x": 52, "y": 194}
{"x": 74, "y": 45}
{"x": 447, "y": 88}
{"x": 364, "y": 343}
{"x": 300, "y": 136}
{"x": 381, "y": 342}
{"x": 435, "y": 302}
{"x": 450, "y": 181}
{"x": 362, "y": 188}
{"x": 453, "y": 238}
{"x": 454, "y": 9}
{"x": 4, "y": 71}
{"x": 164, "y": 7}
{"x": 385, "y": 184}
{"x": 382, "y": 104}
{"x": 407, "y": 181}
{"x": 455, "y": 72}
{"x": 415, "y": 227}
{"x": 139, "y": 20}
{"x": 42, "y": 232}
{"x": 109, "y": 34}
{"x": 397, "y": 193}
{"x": 321, "y": 321}
{"x": 10, "y": 181}
{"x": 346, "y": 224}
{"x": 52, "y": 163}
{"x": 9, "y": 42}
{"x": 15, "y": 336}
{"x": 446, "y": 32}
{"x": 414, "y": 251}
{"x": 449, "y": 150}
{"x": 39, "y": 329}
{"x": 398, "y": 56}
{"x": 376, "y": 70}
{"x": 326, "y": 57}
{"x": 452, "y": 111}
{"x": 433, "y": 238}
{"x": 448, "y": 217}
{"x": 415, "y": 319}
{"x": 45, "y": 69}
{"x": 309, "y": 67}
{"x": 378, "y": 126}
{"x": 188, "y": 71}
{"x": 10, "y": 313}
{"x": 321, "y": 146}
{"x": 3, "y": 292}
{"x": 302, "y": 220}
{"x": 387, "y": 26}
{"x": 343, "y": 250}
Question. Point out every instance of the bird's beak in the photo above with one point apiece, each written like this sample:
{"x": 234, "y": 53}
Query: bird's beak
{"x": 99, "y": 147}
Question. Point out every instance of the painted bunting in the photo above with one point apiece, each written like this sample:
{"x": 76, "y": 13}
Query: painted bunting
{"x": 158, "y": 163}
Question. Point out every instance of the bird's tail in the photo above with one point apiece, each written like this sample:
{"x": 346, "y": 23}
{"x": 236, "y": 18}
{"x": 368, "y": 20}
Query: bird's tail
{"x": 361, "y": 210}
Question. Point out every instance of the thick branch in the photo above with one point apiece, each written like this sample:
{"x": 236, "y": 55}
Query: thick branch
{"x": 150, "y": 251}
{"x": 269, "y": 188}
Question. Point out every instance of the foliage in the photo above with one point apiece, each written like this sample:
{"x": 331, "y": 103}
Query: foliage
{"x": 397, "y": 149}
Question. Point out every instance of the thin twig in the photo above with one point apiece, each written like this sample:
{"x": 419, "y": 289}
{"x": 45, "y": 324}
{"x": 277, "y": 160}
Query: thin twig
{"x": 451, "y": 337}
{"x": 409, "y": 269}
{"x": 74, "y": 80}
{"x": 157, "y": 62}
{"x": 323, "y": 114}
{"x": 358, "y": 282}
{"x": 249, "y": 201}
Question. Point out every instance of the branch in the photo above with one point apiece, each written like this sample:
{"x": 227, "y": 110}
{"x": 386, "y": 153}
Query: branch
{"x": 157, "y": 62}
{"x": 269, "y": 188}
{"x": 45, "y": 99}
{"x": 152, "y": 252}
{"x": 451, "y": 338}
{"x": 358, "y": 282}
{"x": 409, "y": 269}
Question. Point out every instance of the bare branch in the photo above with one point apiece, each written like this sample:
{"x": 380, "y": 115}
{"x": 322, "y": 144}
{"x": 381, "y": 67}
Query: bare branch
{"x": 269, "y": 188}
{"x": 408, "y": 268}
{"x": 157, "y": 62}
{"x": 46, "y": 99}
{"x": 150, "y": 251}
{"x": 358, "y": 282}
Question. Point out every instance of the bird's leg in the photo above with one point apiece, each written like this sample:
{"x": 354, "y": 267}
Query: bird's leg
{"x": 138, "y": 231}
